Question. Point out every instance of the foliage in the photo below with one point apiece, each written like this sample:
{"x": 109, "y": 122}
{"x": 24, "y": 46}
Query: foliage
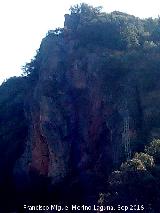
{"x": 13, "y": 124}
{"x": 154, "y": 149}
{"x": 138, "y": 180}
{"x": 31, "y": 68}
{"x": 146, "y": 160}
{"x": 133, "y": 165}
{"x": 85, "y": 9}
{"x": 114, "y": 31}
{"x": 128, "y": 50}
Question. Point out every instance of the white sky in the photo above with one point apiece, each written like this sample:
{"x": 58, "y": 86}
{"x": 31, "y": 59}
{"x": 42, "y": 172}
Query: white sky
{"x": 23, "y": 24}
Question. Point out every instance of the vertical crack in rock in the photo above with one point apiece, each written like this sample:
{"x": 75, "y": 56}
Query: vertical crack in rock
{"x": 40, "y": 153}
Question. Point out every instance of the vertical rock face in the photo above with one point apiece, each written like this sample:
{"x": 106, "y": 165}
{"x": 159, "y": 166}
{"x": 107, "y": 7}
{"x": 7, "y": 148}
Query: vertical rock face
{"x": 90, "y": 95}
{"x": 77, "y": 122}
{"x": 83, "y": 119}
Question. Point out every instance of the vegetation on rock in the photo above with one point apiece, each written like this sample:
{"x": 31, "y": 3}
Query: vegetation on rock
{"x": 116, "y": 54}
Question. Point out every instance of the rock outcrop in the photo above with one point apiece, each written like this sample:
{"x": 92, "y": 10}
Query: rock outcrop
{"x": 89, "y": 101}
{"x": 83, "y": 118}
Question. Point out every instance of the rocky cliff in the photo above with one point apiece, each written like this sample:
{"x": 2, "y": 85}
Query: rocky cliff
{"x": 83, "y": 118}
{"x": 87, "y": 105}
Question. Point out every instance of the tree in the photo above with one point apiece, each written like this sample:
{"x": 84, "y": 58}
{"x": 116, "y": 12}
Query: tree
{"x": 133, "y": 165}
{"x": 136, "y": 180}
{"x": 154, "y": 150}
{"x": 145, "y": 159}
{"x": 85, "y": 9}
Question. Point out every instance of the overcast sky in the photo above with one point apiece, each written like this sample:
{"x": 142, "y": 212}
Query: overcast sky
{"x": 23, "y": 24}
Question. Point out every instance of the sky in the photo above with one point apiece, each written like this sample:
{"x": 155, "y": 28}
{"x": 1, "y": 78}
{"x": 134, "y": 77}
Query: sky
{"x": 23, "y": 24}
